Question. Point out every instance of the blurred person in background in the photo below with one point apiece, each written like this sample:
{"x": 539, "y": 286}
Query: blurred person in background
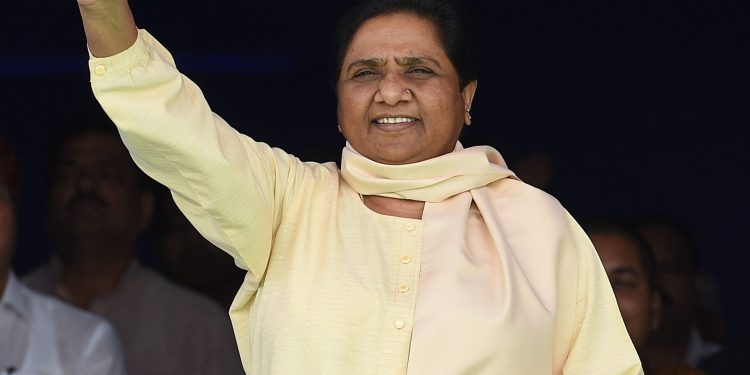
{"x": 692, "y": 331}
{"x": 678, "y": 338}
{"x": 631, "y": 270}
{"x": 99, "y": 206}
{"x": 38, "y": 333}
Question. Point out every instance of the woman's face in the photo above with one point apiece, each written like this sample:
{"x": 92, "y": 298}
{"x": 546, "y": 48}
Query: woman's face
{"x": 399, "y": 99}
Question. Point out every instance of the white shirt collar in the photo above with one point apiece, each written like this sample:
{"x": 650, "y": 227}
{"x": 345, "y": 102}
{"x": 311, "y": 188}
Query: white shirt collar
{"x": 699, "y": 349}
{"x": 14, "y": 298}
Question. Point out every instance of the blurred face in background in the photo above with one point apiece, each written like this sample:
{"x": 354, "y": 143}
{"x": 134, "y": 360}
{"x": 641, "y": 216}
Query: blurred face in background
{"x": 677, "y": 278}
{"x": 639, "y": 303}
{"x": 95, "y": 195}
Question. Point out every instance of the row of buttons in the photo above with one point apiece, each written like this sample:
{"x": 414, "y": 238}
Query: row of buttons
{"x": 403, "y": 288}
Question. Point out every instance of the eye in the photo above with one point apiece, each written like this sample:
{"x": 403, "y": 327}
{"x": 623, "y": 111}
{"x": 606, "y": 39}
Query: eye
{"x": 108, "y": 175}
{"x": 366, "y": 73}
{"x": 419, "y": 71}
{"x": 624, "y": 284}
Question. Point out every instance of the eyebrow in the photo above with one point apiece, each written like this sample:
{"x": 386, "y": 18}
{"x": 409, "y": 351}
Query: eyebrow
{"x": 403, "y": 61}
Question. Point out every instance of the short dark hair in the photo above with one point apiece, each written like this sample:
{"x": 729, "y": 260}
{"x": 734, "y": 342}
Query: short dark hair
{"x": 679, "y": 228}
{"x": 616, "y": 227}
{"x": 451, "y": 22}
{"x": 89, "y": 120}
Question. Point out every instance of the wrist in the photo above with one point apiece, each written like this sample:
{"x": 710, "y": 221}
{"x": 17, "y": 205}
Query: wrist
{"x": 104, "y": 11}
{"x": 109, "y": 26}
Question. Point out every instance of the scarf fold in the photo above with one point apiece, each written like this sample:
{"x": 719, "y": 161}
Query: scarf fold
{"x": 431, "y": 180}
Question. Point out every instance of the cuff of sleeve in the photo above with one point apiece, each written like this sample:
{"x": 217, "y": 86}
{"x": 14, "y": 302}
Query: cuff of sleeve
{"x": 112, "y": 67}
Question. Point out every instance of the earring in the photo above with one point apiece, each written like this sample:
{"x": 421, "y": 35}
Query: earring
{"x": 339, "y": 126}
{"x": 468, "y": 115}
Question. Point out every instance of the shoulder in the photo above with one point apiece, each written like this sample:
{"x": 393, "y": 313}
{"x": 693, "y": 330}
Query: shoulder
{"x": 83, "y": 342}
{"x": 514, "y": 192}
{"x": 183, "y": 315}
{"x": 284, "y": 161}
{"x": 540, "y": 230}
{"x": 41, "y": 279}
{"x": 72, "y": 326}
{"x": 175, "y": 299}
{"x": 524, "y": 207}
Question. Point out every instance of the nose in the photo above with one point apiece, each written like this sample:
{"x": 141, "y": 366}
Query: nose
{"x": 84, "y": 181}
{"x": 392, "y": 90}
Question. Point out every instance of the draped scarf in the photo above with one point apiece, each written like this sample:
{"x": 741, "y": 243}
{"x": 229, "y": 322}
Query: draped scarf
{"x": 432, "y": 180}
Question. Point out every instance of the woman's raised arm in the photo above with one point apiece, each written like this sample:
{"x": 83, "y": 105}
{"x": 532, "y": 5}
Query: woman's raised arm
{"x": 225, "y": 183}
{"x": 109, "y": 25}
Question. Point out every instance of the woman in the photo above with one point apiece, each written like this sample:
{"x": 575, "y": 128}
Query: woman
{"x": 416, "y": 255}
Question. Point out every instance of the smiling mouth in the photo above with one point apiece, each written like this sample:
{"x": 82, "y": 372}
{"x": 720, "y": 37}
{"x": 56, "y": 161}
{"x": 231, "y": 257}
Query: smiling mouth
{"x": 394, "y": 120}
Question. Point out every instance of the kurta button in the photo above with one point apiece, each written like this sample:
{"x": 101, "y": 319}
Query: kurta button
{"x": 100, "y": 69}
{"x": 405, "y": 259}
{"x": 409, "y": 227}
{"x": 403, "y": 288}
{"x": 399, "y": 323}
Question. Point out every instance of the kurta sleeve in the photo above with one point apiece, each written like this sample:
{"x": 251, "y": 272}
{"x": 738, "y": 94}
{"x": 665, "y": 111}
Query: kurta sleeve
{"x": 228, "y": 186}
{"x": 600, "y": 342}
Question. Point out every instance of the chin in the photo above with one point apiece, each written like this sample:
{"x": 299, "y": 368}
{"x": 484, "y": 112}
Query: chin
{"x": 396, "y": 159}
{"x": 396, "y": 153}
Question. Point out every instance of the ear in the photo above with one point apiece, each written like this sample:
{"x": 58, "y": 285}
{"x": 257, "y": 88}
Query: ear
{"x": 656, "y": 309}
{"x": 468, "y": 95}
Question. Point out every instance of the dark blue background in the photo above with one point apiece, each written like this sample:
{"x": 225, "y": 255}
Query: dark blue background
{"x": 642, "y": 105}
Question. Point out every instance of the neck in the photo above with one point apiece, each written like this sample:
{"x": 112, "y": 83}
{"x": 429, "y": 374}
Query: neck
{"x": 662, "y": 353}
{"x": 87, "y": 277}
{"x": 394, "y": 207}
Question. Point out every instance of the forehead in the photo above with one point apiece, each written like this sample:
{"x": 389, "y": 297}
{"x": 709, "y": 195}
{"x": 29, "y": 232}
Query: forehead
{"x": 92, "y": 148}
{"x": 617, "y": 251}
{"x": 399, "y": 34}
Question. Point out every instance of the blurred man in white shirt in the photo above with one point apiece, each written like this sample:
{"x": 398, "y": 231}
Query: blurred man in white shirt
{"x": 38, "y": 334}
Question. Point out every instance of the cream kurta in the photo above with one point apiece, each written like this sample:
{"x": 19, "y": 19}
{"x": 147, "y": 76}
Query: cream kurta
{"x": 335, "y": 288}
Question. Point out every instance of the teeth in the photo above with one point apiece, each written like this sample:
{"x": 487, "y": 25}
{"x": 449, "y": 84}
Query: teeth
{"x": 394, "y": 120}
